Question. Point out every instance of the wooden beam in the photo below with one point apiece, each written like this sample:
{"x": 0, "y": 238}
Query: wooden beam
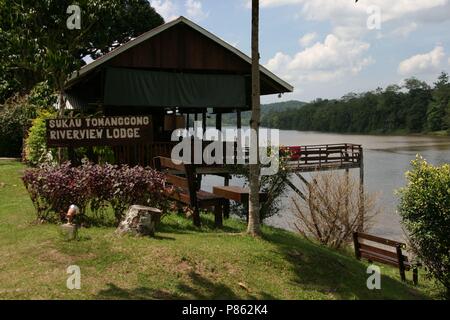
{"x": 296, "y": 190}
{"x": 219, "y": 121}
{"x": 204, "y": 121}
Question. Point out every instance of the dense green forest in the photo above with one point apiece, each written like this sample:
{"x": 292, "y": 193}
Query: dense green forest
{"x": 415, "y": 107}
{"x": 230, "y": 119}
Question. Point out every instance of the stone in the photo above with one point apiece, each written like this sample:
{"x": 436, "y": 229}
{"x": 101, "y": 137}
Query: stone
{"x": 69, "y": 231}
{"x": 140, "y": 221}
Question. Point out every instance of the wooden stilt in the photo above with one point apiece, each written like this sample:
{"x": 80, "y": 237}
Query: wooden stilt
{"x": 238, "y": 144}
{"x": 218, "y": 216}
{"x": 361, "y": 193}
{"x": 226, "y": 205}
{"x": 219, "y": 121}
{"x": 204, "y": 121}
{"x": 196, "y": 217}
{"x": 297, "y": 190}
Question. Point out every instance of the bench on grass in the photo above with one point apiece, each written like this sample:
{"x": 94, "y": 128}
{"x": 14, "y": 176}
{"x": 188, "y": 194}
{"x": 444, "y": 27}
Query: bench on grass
{"x": 365, "y": 249}
{"x": 183, "y": 178}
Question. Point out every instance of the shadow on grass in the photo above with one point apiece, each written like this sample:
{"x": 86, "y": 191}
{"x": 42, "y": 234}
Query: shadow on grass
{"x": 198, "y": 288}
{"x": 320, "y": 269}
{"x": 141, "y": 293}
{"x": 181, "y": 225}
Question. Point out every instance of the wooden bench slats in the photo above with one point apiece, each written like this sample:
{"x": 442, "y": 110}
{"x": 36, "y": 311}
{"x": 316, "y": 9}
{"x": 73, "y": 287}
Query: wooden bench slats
{"x": 377, "y": 258}
{"x": 373, "y": 238}
{"x": 380, "y": 251}
{"x": 186, "y": 190}
{"x": 181, "y": 196}
{"x": 177, "y": 181}
{"x": 167, "y": 163}
{"x": 384, "y": 259}
{"x": 376, "y": 254}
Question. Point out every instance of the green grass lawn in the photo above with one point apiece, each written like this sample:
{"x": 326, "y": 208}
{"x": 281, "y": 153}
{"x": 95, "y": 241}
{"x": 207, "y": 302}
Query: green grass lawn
{"x": 180, "y": 263}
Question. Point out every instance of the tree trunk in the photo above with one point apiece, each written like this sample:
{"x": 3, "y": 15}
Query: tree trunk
{"x": 255, "y": 170}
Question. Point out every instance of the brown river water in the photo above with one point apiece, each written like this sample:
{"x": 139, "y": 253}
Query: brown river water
{"x": 386, "y": 159}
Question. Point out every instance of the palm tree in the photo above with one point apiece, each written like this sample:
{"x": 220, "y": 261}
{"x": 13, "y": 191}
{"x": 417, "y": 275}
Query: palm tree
{"x": 255, "y": 170}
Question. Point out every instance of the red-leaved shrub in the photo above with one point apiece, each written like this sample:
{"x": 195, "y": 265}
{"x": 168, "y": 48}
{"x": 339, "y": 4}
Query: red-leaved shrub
{"x": 54, "y": 189}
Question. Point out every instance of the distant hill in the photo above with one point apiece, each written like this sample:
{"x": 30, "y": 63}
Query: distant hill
{"x": 230, "y": 119}
{"x": 282, "y": 106}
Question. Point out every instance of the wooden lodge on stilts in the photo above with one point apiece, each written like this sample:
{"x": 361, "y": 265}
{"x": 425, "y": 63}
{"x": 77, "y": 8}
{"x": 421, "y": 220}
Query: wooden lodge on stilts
{"x": 175, "y": 73}
{"x": 179, "y": 73}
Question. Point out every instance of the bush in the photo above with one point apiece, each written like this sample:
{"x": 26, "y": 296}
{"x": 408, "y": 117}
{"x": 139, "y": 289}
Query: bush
{"x": 273, "y": 185}
{"x": 36, "y": 151}
{"x": 16, "y": 115}
{"x": 330, "y": 212}
{"x": 54, "y": 189}
{"x": 425, "y": 212}
{"x": 15, "y": 118}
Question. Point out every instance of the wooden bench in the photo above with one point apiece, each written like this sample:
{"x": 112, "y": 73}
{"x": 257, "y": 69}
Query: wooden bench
{"x": 183, "y": 178}
{"x": 365, "y": 250}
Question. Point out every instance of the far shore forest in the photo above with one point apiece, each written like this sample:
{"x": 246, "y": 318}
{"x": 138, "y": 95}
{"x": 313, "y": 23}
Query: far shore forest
{"x": 414, "y": 108}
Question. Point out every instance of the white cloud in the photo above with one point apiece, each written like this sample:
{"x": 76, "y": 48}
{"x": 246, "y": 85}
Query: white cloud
{"x": 422, "y": 63}
{"x": 166, "y": 8}
{"x": 349, "y": 19}
{"x": 170, "y": 10}
{"x": 323, "y": 62}
{"x": 194, "y": 10}
{"x": 405, "y": 30}
{"x": 307, "y": 39}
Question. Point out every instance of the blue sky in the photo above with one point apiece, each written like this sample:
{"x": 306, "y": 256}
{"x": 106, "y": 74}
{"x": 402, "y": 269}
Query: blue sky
{"x": 327, "y": 48}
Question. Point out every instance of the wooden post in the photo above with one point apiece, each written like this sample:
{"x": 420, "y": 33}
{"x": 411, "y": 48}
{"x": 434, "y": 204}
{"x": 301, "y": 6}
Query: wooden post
{"x": 415, "y": 276}
{"x": 361, "y": 192}
{"x": 226, "y": 205}
{"x": 219, "y": 121}
{"x": 238, "y": 143}
{"x": 401, "y": 265}
{"x": 204, "y": 121}
{"x": 218, "y": 215}
{"x": 71, "y": 154}
{"x": 356, "y": 245}
{"x": 347, "y": 186}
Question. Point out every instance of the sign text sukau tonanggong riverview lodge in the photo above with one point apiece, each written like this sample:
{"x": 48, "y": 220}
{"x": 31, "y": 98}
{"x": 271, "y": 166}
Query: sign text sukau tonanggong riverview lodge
{"x": 102, "y": 131}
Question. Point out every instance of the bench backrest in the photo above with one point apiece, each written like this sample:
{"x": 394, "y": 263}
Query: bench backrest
{"x": 373, "y": 253}
{"x": 181, "y": 176}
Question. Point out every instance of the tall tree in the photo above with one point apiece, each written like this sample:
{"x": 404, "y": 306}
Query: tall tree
{"x": 436, "y": 115}
{"x": 255, "y": 170}
{"x": 37, "y": 45}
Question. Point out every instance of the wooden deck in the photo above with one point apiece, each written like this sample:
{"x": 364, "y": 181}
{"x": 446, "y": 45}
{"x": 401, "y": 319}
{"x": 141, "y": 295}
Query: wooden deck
{"x": 307, "y": 158}
{"x": 326, "y": 157}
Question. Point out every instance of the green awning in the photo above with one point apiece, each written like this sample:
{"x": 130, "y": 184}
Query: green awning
{"x": 128, "y": 87}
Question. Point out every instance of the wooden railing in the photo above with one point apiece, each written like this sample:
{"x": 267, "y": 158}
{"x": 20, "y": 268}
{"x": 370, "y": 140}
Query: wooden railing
{"x": 310, "y": 155}
{"x": 328, "y": 155}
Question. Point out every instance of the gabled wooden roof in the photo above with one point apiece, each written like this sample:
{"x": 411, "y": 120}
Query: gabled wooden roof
{"x": 121, "y": 56}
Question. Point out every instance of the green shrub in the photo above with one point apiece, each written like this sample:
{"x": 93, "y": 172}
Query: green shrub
{"x": 16, "y": 115}
{"x": 425, "y": 212}
{"x": 15, "y": 118}
{"x": 274, "y": 186}
{"x": 36, "y": 151}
